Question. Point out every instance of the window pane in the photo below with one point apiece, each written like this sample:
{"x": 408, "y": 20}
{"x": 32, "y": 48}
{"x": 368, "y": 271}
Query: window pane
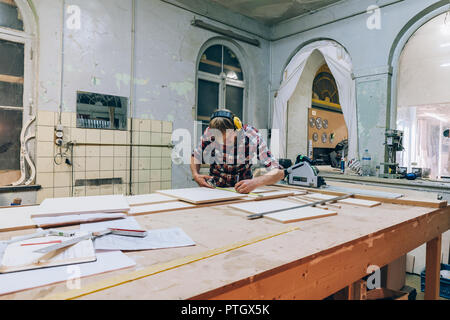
{"x": 11, "y": 58}
{"x": 235, "y": 100}
{"x": 211, "y": 60}
{"x": 11, "y": 73}
{"x": 100, "y": 111}
{"x": 208, "y": 98}
{"x": 10, "y": 129}
{"x": 11, "y": 94}
{"x": 232, "y": 67}
{"x": 10, "y": 16}
{"x": 423, "y": 100}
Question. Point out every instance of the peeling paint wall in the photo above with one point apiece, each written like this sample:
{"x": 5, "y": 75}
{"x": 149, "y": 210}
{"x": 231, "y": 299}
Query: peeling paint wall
{"x": 97, "y": 57}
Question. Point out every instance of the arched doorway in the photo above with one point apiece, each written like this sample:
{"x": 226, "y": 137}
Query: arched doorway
{"x": 317, "y": 63}
{"x": 423, "y": 99}
{"x": 315, "y": 120}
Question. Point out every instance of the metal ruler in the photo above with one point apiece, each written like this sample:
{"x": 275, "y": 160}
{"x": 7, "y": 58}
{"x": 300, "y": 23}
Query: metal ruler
{"x": 312, "y": 204}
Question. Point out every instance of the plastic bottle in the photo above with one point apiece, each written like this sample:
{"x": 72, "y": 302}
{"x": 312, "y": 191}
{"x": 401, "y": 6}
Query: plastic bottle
{"x": 342, "y": 165}
{"x": 366, "y": 160}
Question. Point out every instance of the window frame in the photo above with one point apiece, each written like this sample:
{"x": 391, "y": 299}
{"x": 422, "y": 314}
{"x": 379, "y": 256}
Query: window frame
{"x": 27, "y": 37}
{"x": 222, "y": 80}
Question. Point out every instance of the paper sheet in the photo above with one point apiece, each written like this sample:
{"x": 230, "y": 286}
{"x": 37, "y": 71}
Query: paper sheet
{"x": 106, "y": 261}
{"x": 155, "y": 239}
{"x": 129, "y": 223}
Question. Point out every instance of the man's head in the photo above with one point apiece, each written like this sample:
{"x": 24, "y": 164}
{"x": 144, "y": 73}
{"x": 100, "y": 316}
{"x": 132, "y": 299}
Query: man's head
{"x": 221, "y": 122}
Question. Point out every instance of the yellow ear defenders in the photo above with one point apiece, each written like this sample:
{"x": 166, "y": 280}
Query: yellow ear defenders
{"x": 228, "y": 115}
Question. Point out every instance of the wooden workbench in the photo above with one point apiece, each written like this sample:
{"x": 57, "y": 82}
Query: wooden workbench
{"x": 318, "y": 259}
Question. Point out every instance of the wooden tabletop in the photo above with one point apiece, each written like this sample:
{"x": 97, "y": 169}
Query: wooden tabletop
{"x": 220, "y": 226}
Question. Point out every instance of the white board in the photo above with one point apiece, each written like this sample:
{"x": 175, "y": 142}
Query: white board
{"x": 143, "y": 199}
{"x": 202, "y": 195}
{"x": 360, "y": 202}
{"x": 16, "y": 218}
{"x": 106, "y": 262}
{"x": 296, "y": 215}
{"x": 261, "y": 207}
{"x": 21, "y": 255}
{"x": 81, "y": 205}
{"x": 159, "y": 207}
{"x": 52, "y": 222}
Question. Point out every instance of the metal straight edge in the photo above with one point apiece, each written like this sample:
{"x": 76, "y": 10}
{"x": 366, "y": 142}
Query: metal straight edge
{"x": 312, "y": 204}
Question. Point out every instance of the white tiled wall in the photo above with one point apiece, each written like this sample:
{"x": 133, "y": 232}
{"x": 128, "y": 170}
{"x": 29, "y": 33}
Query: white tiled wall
{"x": 151, "y": 166}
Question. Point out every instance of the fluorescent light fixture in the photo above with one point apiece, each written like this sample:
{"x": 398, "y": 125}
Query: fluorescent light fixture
{"x": 444, "y": 65}
{"x": 445, "y": 45}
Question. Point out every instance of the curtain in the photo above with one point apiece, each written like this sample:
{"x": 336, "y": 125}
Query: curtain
{"x": 340, "y": 65}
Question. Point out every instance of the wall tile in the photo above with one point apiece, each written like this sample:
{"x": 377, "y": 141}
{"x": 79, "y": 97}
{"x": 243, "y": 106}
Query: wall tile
{"x": 45, "y": 193}
{"x": 92, "y": 191}
{"x": 167, "y": 127}
{"x": 92, "y": 163}
{"x": 120, "y": 163}
{"x": 144, "y": 188}
{"x": 156, "y": 138}
{"x": 107, "y": 163}
{"x": 62, "y": 179}
{"x": 155, "y": 175}
{"x": 156, "y": 126}
{"x": 92, "y": 135}
{"x": 45, "y": 180}
{"x": 92, "y": 151}
{"x": 44, "y": 165}
{"x": 78, "y": 135}
{"x": 46, "y": 118}
{"x": 62, "y": 192}
{"x": 107, "y": 136}
{"x": 45, "y": 133}
{"x": 144, "y": 138}
{"x": 120, "y": 137}
{"x": 155, "y": 186}
{"x": 79, "y": 191}
{"x": 156, "y": 163}
{"x": 106, "y": 151}
{"x": 45, "y": 149}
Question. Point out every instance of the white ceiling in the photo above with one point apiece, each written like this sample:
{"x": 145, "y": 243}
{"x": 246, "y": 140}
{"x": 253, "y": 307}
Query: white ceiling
{"x": 271, "y": 12}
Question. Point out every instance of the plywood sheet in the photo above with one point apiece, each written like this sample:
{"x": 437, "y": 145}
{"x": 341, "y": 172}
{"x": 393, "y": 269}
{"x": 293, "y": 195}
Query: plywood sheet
{"x": 302, "y": 214}
{"x": 360, "y": 202}
{"x": 68, "y": 220}
{"x": 144, "y": 199}
{"x": 264, "y": 206}
{"x": 159, "y": 207}
{"x": 81, "y": 205}
{"x": 202, "y": 195}
{"x": 16, "y": 218}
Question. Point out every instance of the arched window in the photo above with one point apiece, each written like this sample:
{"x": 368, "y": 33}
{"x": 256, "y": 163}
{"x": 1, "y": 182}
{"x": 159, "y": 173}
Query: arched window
{"x": 15, "y": 57}
{"x": 423, "y": 99}
{"x": 220, "y": 83}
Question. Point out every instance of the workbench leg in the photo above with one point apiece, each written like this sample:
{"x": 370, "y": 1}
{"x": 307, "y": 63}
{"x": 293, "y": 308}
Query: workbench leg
{"x": 433, "y": 269}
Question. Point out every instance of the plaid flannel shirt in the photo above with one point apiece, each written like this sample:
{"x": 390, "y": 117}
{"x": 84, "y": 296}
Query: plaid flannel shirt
{"x": 232, "y": 163}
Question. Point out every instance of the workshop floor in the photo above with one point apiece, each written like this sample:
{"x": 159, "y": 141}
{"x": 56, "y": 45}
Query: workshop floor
{"x": 413, "y": 280}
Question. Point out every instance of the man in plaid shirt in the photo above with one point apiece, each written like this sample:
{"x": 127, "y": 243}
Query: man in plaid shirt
{"x": 231, "y": 150}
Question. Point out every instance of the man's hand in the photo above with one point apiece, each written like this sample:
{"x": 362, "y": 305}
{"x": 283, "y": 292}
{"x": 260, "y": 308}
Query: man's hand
{"x": 246, "y": 186}
{"x": 202, "y": 180}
